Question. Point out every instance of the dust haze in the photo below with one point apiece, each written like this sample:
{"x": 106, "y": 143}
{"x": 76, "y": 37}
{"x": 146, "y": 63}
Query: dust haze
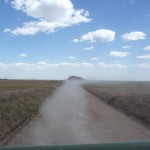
{"x": 63, "y": 117}
{"x": 74, "y": 116}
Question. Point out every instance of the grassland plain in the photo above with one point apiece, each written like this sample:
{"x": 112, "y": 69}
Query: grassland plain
{"x": 20, "y": 100}
{"x": 131, "y": 97}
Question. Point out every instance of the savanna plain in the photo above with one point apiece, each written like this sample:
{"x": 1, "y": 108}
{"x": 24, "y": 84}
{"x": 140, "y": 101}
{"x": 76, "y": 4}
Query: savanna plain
{"x": 20, "y": 100}
{"x": 74, "y": 111}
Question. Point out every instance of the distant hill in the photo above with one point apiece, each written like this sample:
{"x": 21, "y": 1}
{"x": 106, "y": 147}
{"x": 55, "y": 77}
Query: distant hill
{"x": 75, "y": 78}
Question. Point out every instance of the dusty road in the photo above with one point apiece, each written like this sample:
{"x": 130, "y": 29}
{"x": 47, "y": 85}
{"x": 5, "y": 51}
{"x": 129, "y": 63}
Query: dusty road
{"x": 78, "y": 118}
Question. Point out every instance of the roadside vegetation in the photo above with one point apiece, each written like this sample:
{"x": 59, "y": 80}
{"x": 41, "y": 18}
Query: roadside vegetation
{"x": 131, "y": 97}
{"x": 20, "y": 100}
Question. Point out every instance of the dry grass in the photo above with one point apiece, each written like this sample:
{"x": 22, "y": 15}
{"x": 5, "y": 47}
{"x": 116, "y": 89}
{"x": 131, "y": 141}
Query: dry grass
{"x": 131, "y": 97}
{"x": 20, "y": 99}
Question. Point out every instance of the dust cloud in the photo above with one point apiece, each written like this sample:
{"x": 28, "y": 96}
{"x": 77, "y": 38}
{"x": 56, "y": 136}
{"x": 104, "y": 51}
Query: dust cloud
{"x": 63, "y": 117}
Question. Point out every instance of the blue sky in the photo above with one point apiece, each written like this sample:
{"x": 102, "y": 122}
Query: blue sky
{"x": 53, "y": 39}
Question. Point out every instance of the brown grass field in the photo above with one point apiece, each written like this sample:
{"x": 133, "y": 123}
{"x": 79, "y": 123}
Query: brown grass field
{"x": 20, "y": 100}
{"x": 133, "y": 98}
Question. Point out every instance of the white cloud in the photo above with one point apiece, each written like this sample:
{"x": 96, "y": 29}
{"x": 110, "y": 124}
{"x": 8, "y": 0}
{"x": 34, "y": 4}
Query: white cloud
{"x": 94, "y": 58}
{"x": 44, "y": 70}
{"x": 103, "y": 35}
{"x": 75, "y": 40}
{"x": 51, "y": 15}
{"x": 23, "y": 55}
{"x": 71, "y": 57}
{"x": 44, "y": 65}
{"x": 85, "y": 64}
{"x": 118, "y": 54}
{"x": 132, "y": 36}
{"x": 7, "y": 30}
{"x": 116, "y": 61}
{"x": 144, "y": 56}
{"x": 144, "y": 65}
{"x": 147, "y": 48}
{"x": 89, "y": 48}
{"x": 68, "y": 65}
{"x": 126, "y": 46}
{"x": 74, "y": 65}
{"x": 110, "y": 65}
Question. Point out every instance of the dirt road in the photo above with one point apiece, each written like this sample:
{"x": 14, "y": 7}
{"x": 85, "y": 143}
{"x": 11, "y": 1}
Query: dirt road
{"x": 80, "y": 119}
